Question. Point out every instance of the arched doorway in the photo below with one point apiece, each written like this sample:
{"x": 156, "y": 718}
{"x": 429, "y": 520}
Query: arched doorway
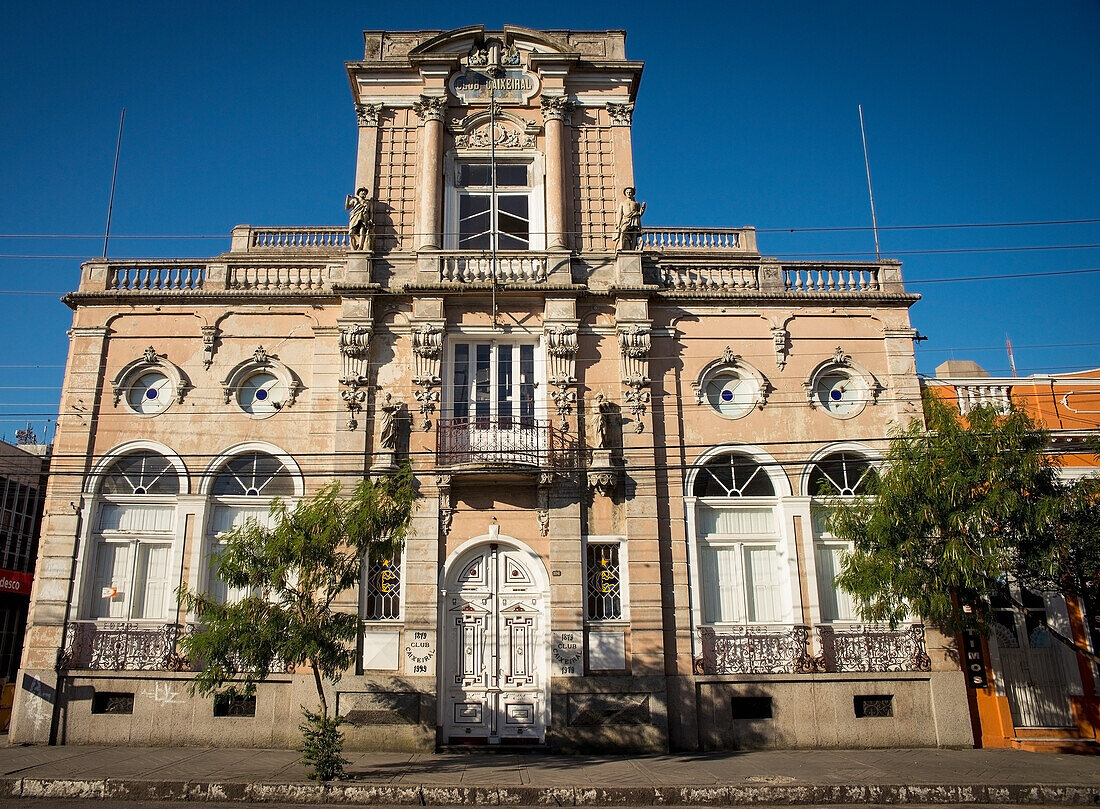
{"x": 495, "y": 663}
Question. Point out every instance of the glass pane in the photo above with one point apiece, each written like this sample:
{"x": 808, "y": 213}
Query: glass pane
{"x": 141, "y": 473}
{"x": 255, "y": 474}
{"x": 512, "y": 174}
{"x": 383, "y": 589}
{"x": 604, "y": 591}
{"x": 473, "y": 174}
{"x": 481, "y": 385}
{"x": 474, "y": 224}
{"x": 504, "y": 386}
{"x": 527, "y": 383}
{"x": 462, "y": 381}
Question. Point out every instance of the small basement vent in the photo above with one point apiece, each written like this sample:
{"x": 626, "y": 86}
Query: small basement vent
{"x": 117, "y": 702}
{"x": 751, "y": 707}
{"x": 874, "y": 705}
{"x": 234, "y": 705}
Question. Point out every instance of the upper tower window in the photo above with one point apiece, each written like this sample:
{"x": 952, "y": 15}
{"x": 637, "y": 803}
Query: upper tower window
{"x": 491, "y": 217}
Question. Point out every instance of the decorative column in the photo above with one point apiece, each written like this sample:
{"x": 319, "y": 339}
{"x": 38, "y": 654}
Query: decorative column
{"x": 634, "y": 344}
{"x": 555, "y": 110}
{"x": 430, "y": 110}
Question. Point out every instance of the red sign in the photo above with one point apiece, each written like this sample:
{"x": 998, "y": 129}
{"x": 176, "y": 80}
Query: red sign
{"x": 15, "y": 583}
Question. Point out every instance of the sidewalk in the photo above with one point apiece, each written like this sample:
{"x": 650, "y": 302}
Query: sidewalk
{"x": 767, "y": 777}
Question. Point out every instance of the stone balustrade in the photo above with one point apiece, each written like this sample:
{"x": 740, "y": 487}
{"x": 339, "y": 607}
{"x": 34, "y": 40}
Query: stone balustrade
{"x": 160, "y": 276}
{"x": 826, "y": 278}
{"x": 739, "y": 239}
{"x": 971, "y": 396}
{"x": 709, "y": 278}
{"x": 511, "y": 267}
{"x": 247, "y": 239}
{"x": 275, "y": 278}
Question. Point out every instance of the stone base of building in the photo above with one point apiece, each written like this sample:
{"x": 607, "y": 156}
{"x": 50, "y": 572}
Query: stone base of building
{"x": 852, "y": 710}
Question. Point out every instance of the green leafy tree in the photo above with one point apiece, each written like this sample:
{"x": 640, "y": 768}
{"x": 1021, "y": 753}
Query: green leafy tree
{"x": 293, "y": 572}
{"x": 962, "y": 509}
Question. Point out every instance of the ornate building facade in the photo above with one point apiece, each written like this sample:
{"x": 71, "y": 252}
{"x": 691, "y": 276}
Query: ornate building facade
{"x": 623, "y": 436}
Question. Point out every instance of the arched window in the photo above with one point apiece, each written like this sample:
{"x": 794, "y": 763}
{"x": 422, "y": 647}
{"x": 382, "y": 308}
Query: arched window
{"x": 838, "y": 474}
{"x": 733, "y": 475}
{"x": 244, "y": 486}
{"x": 141, "y": 473}
{"x": 255, "y": 474}
{"x": 842, "y": 474}
{"x": 133, "y": 534}
{"x": 739, "y": 543}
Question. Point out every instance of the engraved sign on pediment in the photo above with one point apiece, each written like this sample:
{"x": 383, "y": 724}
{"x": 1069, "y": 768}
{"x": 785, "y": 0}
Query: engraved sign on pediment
{"x": 515, "y": 85}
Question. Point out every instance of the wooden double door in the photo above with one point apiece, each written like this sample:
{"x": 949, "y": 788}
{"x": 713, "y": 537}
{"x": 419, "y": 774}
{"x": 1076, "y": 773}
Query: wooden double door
{"x": 495, "y": 648}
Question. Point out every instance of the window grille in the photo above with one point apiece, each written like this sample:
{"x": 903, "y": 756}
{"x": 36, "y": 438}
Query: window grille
{"x": 604, "y": 582}
{"x": 383, "y": 588}
{"x": 842, "y": 473}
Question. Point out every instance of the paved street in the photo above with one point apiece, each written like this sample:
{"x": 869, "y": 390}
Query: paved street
{"x": 760, "y": 778}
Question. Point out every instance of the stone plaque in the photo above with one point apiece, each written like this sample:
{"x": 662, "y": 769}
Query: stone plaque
{"x": 379, "y": 707}
{"x": 516, "y": 86}
{"x": 606, "y": 651}
{"x": 567, "y": 651}
{"x": 608, "y": 709}
{"x": 419, "y": 651}
{"x": 381, "y": 649}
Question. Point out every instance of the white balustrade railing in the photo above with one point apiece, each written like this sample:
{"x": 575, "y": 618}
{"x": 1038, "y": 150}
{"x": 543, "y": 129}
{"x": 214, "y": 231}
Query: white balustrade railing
{"x": 971, "y": 396}
{"x": 157, "y": 277}
{"x": 530, "y": 267}
{"x": 692, "y": 239}
{"x": 319, "y": 238}
{"x": 262, "y": 278}
{"x": 702, "y": 278}
{"x": 830, "y": 279}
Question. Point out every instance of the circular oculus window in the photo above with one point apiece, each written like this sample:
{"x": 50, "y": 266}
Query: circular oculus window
{"x": 261, "y": 394}
{"x": 732, "y": 395}
{"x": 150, "y": 393}
{"x": 840, "y": 393}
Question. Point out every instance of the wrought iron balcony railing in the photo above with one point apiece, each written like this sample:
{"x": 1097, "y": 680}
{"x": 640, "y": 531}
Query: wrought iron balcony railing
{"x": 501, "y": 442}
{"x": 122, "y": 646}
{"x": 863, "y": 648}
{"x": 785, "y": 650}
{"x": 756, "y": 650}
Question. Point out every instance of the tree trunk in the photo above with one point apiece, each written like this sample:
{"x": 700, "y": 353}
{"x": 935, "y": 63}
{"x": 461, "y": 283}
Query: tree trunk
{"x": 320, "y": 688}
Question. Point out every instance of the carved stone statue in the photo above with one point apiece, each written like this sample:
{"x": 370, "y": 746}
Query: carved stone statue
{"x": 629, "y": 228}
{"x": 601, "y": 420}
{"x": 389, "y": 408}
{"x": 360, "y": 220}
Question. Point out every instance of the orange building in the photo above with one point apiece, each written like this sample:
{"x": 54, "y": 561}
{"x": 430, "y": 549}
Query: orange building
{"x": 1030, "y": 691}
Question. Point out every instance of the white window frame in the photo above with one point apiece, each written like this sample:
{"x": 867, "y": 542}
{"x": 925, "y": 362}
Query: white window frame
{"x": 363, "y": 595}
{"x": 535, "y": 191}
{"x": 624, "y": 579}
{"x": 494, "y": 341}
{"x": 86, "y": 601}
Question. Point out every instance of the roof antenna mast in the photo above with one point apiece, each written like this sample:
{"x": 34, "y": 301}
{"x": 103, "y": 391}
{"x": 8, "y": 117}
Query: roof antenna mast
{"x": 114, "y": 176}
{"x": 870, "y": 191}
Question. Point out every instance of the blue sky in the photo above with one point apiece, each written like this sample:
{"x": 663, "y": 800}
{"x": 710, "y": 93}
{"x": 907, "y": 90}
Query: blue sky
{"x": 976, "y": 112}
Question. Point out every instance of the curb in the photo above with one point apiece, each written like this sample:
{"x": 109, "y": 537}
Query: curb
{"x": 350, "y": 794}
